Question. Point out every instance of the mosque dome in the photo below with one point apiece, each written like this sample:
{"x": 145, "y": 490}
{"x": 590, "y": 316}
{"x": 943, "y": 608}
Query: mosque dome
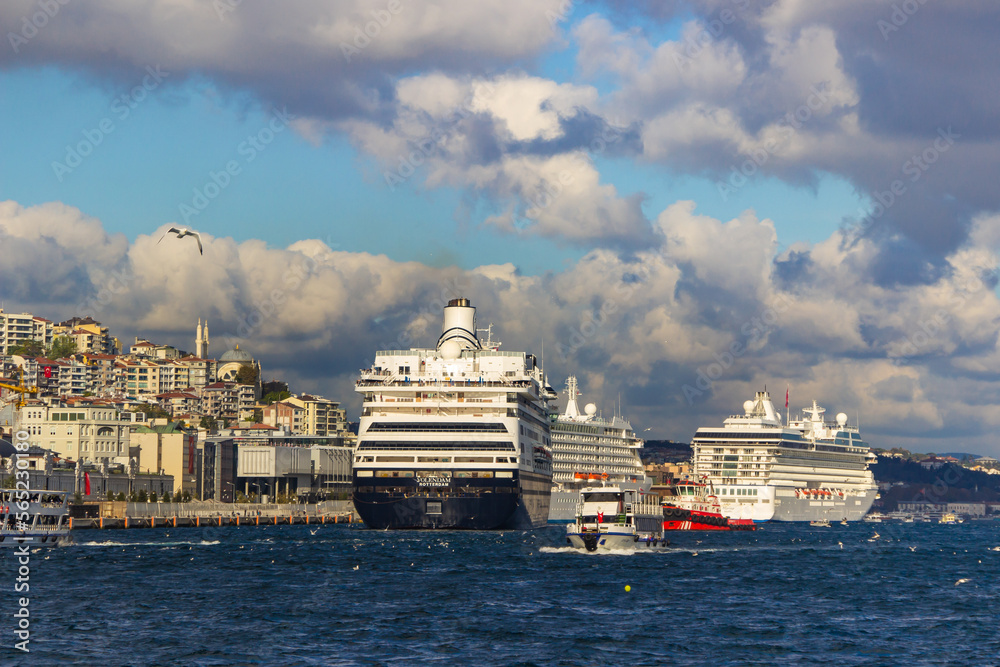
{"x": 237, "y": 355}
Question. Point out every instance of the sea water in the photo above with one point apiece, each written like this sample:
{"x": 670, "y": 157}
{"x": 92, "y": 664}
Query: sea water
{"x": 862, "y": 594}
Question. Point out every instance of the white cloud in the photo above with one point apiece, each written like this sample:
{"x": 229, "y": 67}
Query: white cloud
{"x": 644, "y": 324}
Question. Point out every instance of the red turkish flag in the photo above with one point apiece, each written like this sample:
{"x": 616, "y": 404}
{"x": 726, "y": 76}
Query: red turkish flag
{"x": 48, "y": 371}
{"x": 86, "y": 483}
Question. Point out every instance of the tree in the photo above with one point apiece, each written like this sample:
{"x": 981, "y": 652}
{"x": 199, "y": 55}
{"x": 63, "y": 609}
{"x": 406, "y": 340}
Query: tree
{"x": 29, "y": 348}
{"x": 153, "y": 411}
{"x": 208, "y": 423}
{"x": 152, "y": 497}
{"x": 143, "y": 498}
{"x": 62, "y": 346}
{"x": 166, "y": 496}
{"x": 274, "y": 396}
{"x": 258, "y": 416}
{"x": 247, "y": 375}
{"x": 186, "y": 497}
{"x": 121, "y": 496}
{"x": 274, "y": 387}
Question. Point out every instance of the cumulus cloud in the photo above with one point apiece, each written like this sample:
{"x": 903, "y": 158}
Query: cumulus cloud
{"x": 685, "y": 329}
{"x": 347, "y": 51}
{"x": 858, "y": 89}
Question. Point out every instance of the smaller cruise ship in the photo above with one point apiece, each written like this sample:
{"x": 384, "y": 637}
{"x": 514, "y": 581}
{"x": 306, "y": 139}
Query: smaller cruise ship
{"x": 765, "y": 468}
{"x": 589, "y": 449}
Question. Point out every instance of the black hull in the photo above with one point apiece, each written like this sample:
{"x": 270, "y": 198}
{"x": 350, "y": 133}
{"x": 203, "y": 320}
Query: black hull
{"x": 523, "y": 504}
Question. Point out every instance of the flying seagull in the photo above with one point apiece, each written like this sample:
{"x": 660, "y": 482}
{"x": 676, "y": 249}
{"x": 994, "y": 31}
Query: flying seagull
{"x": 181, "y": 233}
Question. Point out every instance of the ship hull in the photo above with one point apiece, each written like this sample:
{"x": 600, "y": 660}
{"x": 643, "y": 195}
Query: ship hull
{"x": 522, "y": 504}
{"x": 851, "y": 508}
{"x": 783, "y": 505}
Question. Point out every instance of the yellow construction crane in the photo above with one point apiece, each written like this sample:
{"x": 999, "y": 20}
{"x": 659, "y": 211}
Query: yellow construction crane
{"x": 19, "y": 388}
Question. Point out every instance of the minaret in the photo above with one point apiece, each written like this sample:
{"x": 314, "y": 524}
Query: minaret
{"x": 197, "y": 340}
{"x": 204, "y": 345}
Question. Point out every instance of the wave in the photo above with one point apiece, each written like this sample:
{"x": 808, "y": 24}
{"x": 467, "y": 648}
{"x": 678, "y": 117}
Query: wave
{"x": 111, "y": 543}
{"x": 599, "y": 552}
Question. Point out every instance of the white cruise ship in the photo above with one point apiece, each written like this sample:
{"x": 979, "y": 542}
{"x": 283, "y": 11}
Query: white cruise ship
{"x": 454, "y": 437}
{"x": 806, "y": 470}
{"x": 587, "y": 450}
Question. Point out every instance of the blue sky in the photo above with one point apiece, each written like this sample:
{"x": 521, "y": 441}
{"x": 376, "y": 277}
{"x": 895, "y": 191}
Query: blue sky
{"x": 164, "y": 146}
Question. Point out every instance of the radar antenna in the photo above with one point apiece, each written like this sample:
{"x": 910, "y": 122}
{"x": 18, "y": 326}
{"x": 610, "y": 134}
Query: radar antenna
{"x": 489, "y": 343}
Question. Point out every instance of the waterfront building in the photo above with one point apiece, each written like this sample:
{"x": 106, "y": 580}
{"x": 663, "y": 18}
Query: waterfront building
{"x": 320, "y": 416}
{"x": 96, "y": 432}
{"x": 163, "y": 447}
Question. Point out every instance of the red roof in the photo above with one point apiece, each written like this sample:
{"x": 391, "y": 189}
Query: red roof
{"x": 261, "y": 427}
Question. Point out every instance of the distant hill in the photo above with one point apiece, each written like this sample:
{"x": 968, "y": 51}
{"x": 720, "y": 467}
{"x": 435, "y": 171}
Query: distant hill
{"x": 962, "y": 456}
{"x": 949, "y": 483}
{"x": 665, "y": 451}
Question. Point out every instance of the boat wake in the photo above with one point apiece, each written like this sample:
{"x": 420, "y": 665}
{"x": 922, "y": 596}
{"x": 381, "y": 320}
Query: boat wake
{"x": 110, "y": 543}
{"x": 574, "y": 550}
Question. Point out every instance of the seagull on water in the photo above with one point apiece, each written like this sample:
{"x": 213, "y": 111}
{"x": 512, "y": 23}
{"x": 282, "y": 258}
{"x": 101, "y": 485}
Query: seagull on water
{"x": 181, "y": 233}
{"x": 962, "y": 581}
{"x": 313, "y": 532}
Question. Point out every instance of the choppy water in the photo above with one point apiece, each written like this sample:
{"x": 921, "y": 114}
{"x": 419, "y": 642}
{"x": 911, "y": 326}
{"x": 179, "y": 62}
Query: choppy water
{"x": 786, "y": 594}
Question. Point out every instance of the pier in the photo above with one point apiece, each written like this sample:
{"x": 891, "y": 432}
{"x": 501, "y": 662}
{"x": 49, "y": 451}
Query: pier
{"x": 120, "y": 515}
{"x": 200, "y": 520}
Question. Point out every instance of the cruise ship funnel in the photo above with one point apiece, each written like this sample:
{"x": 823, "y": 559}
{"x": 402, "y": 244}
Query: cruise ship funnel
{"x": 459, "y": 326}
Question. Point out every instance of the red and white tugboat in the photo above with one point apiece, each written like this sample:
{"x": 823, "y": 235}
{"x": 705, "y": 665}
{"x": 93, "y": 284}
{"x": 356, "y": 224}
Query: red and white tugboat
{"x": 693, "y": 505}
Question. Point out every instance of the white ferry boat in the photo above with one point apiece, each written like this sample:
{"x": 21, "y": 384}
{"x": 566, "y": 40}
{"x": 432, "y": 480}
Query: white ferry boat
{"x": 34, "y": 518}
{"x": 806, "y": 470}
{"x": 454, "y": 437}
{"x": 614, "y": 518}
{"x": 587, "y": 448}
